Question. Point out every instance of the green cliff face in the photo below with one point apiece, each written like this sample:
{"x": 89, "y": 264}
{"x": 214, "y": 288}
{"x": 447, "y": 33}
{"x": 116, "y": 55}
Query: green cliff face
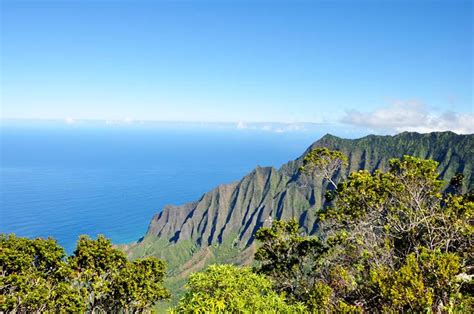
{"x": 220, "y": 226}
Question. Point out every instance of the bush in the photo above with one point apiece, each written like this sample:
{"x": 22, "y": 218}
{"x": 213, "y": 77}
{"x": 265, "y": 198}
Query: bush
{"x": 228, "y": 288}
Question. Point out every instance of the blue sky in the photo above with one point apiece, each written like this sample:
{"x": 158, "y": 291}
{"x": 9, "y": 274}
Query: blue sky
{"x": 391, "y": 65}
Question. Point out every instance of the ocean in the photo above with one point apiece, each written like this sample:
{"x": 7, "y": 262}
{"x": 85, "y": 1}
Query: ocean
{"x": 64, "y": 181}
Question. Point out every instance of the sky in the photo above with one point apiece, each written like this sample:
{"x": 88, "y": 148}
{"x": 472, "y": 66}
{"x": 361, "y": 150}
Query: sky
{"x": 384, "y": 66}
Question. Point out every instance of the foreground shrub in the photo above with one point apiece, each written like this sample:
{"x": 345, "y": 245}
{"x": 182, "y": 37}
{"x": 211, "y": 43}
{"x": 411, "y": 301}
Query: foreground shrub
{"x": 232, "y": 289}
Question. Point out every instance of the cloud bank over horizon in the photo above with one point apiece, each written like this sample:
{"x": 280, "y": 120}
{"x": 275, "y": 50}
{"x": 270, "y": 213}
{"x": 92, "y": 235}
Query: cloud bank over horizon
{"x": 399, "y": 116}
{"x": 411, "y": 116}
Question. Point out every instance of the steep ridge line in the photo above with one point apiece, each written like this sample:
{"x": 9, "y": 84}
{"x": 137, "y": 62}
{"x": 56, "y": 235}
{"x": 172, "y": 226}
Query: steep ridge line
{"x": 230, "y": 214}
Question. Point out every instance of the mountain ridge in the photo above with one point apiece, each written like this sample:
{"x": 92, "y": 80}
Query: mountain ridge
{"x": 226, "y": 218}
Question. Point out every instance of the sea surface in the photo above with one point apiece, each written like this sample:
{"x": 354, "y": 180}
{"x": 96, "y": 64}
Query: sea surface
{"x": 64, "y": 181}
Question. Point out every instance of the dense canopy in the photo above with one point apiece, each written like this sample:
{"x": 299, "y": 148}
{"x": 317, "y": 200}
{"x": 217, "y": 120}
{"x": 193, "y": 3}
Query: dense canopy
{"x": 36, "y": 276}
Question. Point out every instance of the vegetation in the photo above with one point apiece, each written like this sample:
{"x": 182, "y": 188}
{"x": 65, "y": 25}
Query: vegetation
{"x": 287, "y": 257}
{"x": 36, "y": 276}
{"x": 324, "y": 162}
{"x": 232, "y": 289}
{"x": 393, "y": 241}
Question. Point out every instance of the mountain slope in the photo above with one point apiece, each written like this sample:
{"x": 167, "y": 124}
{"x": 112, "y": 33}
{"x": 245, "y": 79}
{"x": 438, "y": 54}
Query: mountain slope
{"x": 220, "y": 226}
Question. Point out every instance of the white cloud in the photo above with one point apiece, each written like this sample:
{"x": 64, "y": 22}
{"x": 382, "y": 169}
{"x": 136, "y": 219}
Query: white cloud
{"x": 241, "y": 125}
{"x": 411, "y": 116}
{"x": 69, "y": 120}
{"x": 126, "y": 120}
{"x": 277, "y": 127}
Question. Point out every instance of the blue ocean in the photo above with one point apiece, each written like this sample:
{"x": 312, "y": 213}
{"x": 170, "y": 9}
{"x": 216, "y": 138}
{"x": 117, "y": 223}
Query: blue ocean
{"x": 64, "y": 181}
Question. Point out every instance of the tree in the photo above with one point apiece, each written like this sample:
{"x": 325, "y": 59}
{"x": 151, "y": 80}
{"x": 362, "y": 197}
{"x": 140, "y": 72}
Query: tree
{"x": 393, "y": 241}
{"x": 34, "y": 276}
{"x": 324, "y": 162}
{"x": 139, "y": 285}
{"x": 286, "y": 255}
{"x": 386, "y": 220}
{"x": 109, "y": 282}
{"x": 232, "y": 289}
{"x": 95, "y": 264}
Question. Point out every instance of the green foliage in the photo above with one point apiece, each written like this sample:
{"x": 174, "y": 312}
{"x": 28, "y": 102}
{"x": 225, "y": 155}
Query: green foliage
{"x": 360, "y": 193}
{"x": 323, "y": 162}
{"x": 321, "y": 157}
{"x": 139, "y": 285}
{"x": 286, "y": 256}
{"x": 320, "y": 296}
{"x": 393, "y": 241}
{"x": 403, "y": 207}
{"x": 33, "y": 275}
{"x": 424, "y": 280}
{"x": 228, "y": 288}
{"x": 37, "y": 277}
{"x": 108, "y": 282}
{"x": 95, "y": 264}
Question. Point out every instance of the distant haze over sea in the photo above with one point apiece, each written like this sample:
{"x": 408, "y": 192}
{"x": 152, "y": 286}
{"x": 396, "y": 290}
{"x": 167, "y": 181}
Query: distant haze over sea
{"x": 269, "y": 126}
